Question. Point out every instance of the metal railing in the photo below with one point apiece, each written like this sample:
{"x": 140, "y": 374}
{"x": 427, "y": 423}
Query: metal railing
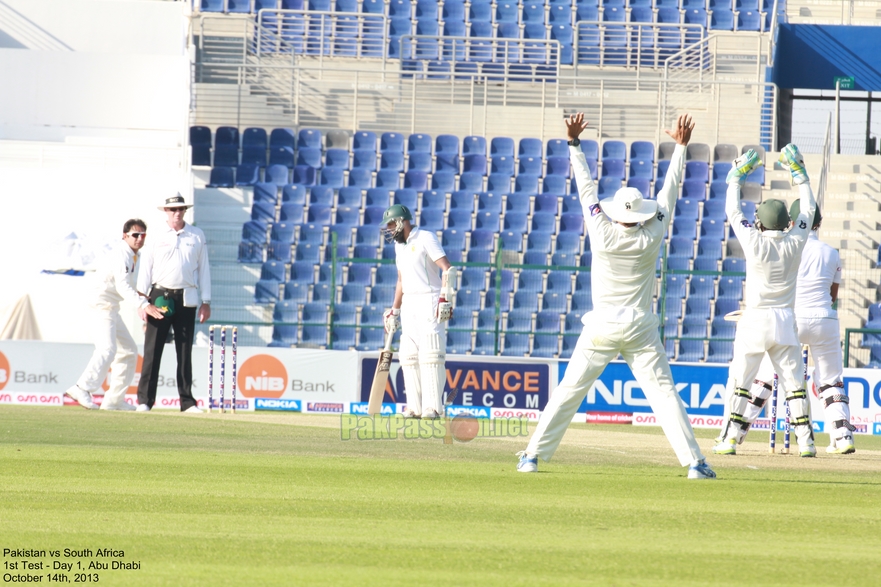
{"x": 321, "y": 34}
{"x": 502, "y": 56}
{"x": 638, "y": 47}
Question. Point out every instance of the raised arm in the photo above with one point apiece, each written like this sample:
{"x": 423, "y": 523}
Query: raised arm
{"x": 681, "y": 133}
{"x": 587, "y": 190}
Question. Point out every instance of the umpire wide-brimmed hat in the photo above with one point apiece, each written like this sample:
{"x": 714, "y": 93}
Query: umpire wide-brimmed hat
{"x": 176, "y": 201}
{"x": 628, "y": 205}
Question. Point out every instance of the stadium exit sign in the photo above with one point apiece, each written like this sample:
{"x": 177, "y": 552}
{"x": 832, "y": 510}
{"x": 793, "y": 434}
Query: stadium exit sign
{"x": 847, "y": 82}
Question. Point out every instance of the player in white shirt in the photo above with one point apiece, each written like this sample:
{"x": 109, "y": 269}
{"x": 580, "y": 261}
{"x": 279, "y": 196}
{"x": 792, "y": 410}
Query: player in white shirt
{"x": 819, "y": 275}
{"x": 626, "y": 233}
{"x": 174, "y": 271}
{"x": 773, "y": 254}
{"x": 115, "y": 349}
{"x": 421, "y": 308}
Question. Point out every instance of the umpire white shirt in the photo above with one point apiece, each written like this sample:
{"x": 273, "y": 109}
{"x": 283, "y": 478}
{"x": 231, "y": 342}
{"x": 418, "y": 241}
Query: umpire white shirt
{"x": 820, "y": 267}
{"x": 415, "y": 260}
{"x": 177, "y": 259}
{"x": 115, "y": 278}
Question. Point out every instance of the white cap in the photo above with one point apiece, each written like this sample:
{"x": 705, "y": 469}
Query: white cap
{"x": 628, "y": 205}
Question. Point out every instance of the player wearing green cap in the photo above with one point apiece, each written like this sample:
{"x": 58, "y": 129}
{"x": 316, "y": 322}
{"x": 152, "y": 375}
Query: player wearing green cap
{"x": 421, "y": 308}
{"x": 768, "y": 325}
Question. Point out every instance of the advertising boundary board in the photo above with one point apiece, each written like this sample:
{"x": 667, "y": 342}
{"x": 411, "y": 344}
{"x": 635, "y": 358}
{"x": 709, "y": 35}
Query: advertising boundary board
{"x": 38, "y": 373}
{"x": 616, "y": 396}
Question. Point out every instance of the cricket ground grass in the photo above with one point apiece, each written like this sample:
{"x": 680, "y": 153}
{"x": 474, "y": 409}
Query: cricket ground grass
{"x": 275, "y": 499}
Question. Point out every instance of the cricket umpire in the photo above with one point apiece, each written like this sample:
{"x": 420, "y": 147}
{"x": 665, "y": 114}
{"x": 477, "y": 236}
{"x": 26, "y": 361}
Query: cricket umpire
{"x": 421, "y": 308}
{"x": 174, "y": 270}
{"x": 626, "y": 233}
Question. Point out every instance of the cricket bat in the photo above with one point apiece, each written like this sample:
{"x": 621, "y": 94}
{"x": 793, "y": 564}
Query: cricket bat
{"x": 380, "y": 378}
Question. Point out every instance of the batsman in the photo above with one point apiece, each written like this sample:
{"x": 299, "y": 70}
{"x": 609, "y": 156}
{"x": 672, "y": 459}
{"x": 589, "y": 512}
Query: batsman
{"x": 421, "y": 308}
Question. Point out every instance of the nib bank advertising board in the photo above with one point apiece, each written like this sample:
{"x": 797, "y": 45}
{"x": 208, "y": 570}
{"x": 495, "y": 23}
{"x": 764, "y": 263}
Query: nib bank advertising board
{"x": 480, "y": 383}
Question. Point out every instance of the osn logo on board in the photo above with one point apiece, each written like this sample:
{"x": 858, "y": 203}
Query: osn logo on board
{"x": 4, "y": 370}
{"x": 263, "y": 376}
{"x": 133, "y": 388}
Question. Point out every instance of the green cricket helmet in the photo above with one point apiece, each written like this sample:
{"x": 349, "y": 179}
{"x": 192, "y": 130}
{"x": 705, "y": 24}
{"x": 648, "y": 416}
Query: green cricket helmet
{"x": 772, "y": 215}
{"x": 795, "y": 209}
{"x": 397, "y": 214}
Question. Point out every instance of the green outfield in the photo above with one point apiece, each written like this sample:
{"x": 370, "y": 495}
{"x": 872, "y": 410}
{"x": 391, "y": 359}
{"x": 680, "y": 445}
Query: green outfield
{"x": 275, "y": 499}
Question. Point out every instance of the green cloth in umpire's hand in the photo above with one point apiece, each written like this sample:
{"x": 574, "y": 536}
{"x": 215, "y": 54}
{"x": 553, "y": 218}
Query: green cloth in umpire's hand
{"x": 166, "y": 306}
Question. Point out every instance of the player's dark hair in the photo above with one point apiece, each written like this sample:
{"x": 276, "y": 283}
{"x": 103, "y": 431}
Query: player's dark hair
{"x": 133, "y": 222}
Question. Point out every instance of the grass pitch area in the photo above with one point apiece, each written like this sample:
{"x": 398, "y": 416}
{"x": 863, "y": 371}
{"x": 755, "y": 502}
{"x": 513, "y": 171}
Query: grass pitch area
{"x": 274, "y": 499}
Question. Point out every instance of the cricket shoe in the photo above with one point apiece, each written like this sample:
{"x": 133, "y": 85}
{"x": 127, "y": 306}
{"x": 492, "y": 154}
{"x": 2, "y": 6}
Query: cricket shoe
{"x": 142, "y": 408}
{"x": 194, "y": 410}
{"x": 411, "y": 414}
{"x": 792, "y": 158}
{"x": 430, "y": 414}
{"x": 701, "y": 470}
{"x": 82, "y": 397}
{"x": 842, "y": 446}
{"x": 807, "y": 451}
{"x": 726, "y": 447}
{"x": 527, "y": 464}
{"x": 743, "y": 166}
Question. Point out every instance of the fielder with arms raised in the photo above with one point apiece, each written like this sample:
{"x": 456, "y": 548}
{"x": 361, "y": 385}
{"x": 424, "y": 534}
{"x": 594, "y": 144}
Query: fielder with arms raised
{"x": 422, "y": 306}
{"x": 626, "y": 232}
{"x": 768, "y": 325}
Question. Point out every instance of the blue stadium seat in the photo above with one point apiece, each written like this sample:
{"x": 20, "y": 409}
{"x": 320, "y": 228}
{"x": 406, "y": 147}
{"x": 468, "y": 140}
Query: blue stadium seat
{"x": 200, "y": 145}
{"x": 681, "y": 247}
{"x": 502, "y": 147}
{"x": 731, "y": 288}
{"x": 474, "y": 145}
{"x": 571, "y": 203}
{"x": 487, "y": 221}
{"x": 247, "y": 174}
{"x": 433, "y": 199}
{"x": 642, "y": 184}
{"x": 720, "y": 351}
{"x": 530, "y": 165}
{"x": 222, "y": 177}
{"x": 686, "y": 208}
{"x": 517, "y": 203}
{"x": 694, "y": 189}
{"x": 691, "y": 351}
{"x": 526, "y": 184}
{"x": 607, "y": 186}
{"x": 572, "y": 223}
{"x": 539, "y": 240}
{"x": 462, "y": 200}
{"x": 282, "y": 137}
{"x": 614, "y": 150}
{"x": 453, "y": 10}
{"x": 721, "y": 19}
{"x": 444, "y": 181}
{"x": 416, "y": 180}
{"x": 460, "y": 219}
{"x": 499, "y": 183}
{"x": 614, "y": 168}
{"x": 684, "y": 227}
{"x": 502, "y": 164}
{"x": 281, "y": 156}
{"x": 697, "y": 171}
{"x": 545, "y": 203}
{"x": 379, "y": 197}
{"x": 471, "y": 181}
{"x": 473, "y": 278}
{"x": 558, "y": 166}
{"x": 556, "y": 185}
{"x": 458, "y": 343}
{"x": 725, "y": 306}
{"x": 480, "y": 11}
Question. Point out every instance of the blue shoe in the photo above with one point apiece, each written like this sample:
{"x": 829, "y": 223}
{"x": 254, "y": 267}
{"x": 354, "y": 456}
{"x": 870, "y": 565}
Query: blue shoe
{"x": 791, "y": 157}
{"x": 743, "y": 166}
{"x": 701, "y": 470}
{"x": 526, "y": 464}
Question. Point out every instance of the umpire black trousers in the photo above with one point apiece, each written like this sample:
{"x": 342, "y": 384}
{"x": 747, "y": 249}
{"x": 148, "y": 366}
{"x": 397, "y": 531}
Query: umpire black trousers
{"x": 183, "y": 321}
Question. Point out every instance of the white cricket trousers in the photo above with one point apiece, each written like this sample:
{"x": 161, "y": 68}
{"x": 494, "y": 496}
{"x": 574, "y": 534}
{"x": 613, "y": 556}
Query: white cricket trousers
{"x": 638, "y": 342}
{"x": 423, "y": 352}
{"x": 115, "y": 349}
{"x": 762, "y": 330}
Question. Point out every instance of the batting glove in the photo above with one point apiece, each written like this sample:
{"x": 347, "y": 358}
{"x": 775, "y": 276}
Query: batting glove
{"x": 444, "y": 310}
{"x": 392, "y": 319}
